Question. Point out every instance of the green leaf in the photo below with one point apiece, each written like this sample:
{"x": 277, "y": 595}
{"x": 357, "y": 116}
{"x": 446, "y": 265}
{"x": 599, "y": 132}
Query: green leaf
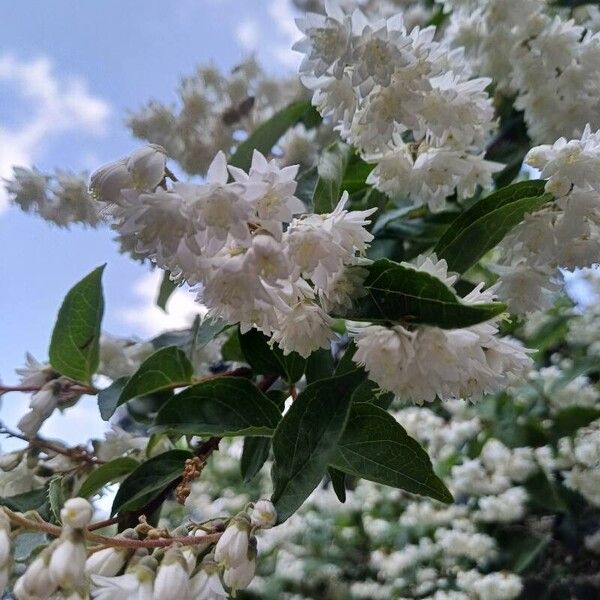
{"x": 266, "y": 135}
{"x": 226, "y": 406}
{"x": 107, "y": 473}
{"x": 483, "y": 225}
{"x": 306, "y": 439}
{"x": 149, "y": 479}
{"x": 191, "y": 340}
{"x": 167, "y": 287}
{"x": 331, "y": 169}
{"x": 34, "y": 500}
{"x": 270, "y": 360}
{"x": 525, "y": 552}
{"x": 75, "y": 345}
{"x": 338, "y": 481}
{"x": 375, "y": 446}
{"x": 164, "y": 370}
{"x": 56, "y": 497}
{"x": 254, "y": 455}
{"x": 108, "y": 398}
{"x": 319, "y": 365}
{"x": 569, "y": 420}
{"x": 397, "y": 293}
{"x": 231, "y": 350}
{"x": 545, "y": 494}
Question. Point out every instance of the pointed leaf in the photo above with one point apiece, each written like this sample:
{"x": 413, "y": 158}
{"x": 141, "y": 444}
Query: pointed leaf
{"x": 108, "y": 398}
{"x": 107, "y": 473}
{"x": 149, "y": 479}
{"x": 398, "y": 293}
{"x": 164, "y": 370}
{"x": 226, "y": 406}
{"x": 75, "y": 345}
{"x": 254, "y": 456}
{"x": 306, "y": 439}
{"x": 266, "y": 135}
{"x": 483, "y": 225}
{"x": 375, "y": 446}
{"x": 338, "y": 481}
{"x": 167, "y": 287}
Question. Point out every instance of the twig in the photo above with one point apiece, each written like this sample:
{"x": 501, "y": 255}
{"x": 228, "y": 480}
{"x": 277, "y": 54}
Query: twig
{"x": 103, "y": 524}
{"x": 115, "y": 542}
{"x": 72, "y": 387}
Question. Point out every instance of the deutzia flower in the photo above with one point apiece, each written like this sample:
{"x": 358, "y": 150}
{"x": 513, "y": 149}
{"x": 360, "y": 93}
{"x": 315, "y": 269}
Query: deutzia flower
{"x": 107, "y": 562}
{"x": 35, "y": 373}
{"x": 76, "y": 513}
{"x": 37, "y": 581}
{"x": 206, "y": 583}
{"x": 263, "y": 514}
{"x": 232, "y": 547}
{"x": 67, "y": 563}
{"x": 136, "y": 584}
{"x": 239, "y": 576}
{"x": 172, "y": 579}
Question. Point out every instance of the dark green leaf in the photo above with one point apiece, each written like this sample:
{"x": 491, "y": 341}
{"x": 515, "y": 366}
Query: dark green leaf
{"x": 164, "y": 370}
{"x": 332, "y": 168}
{"x": 149, "y": 479}
{"x": 338, "y": 481}
{"x": 190, "y": 340}
{"x": 167, "y": 287}
{"x": 545, "y": 494}
{"x": 270, "y": 360}
{"x": 525, "y": 552}
{"x": 266, "y": 135}
{"x": 254, "y": 455}
{"x": 306, "y": 439}
{"x": 108, "y": 398}
{"x": 483, "y": 225}
{"x": 107, "y": 473}
{"x": 374, "y": 446}
{"x": 231, "y": 350}
{"x": 74, "y": 348}
{"x": 397, "y": 293}
{"x": 569, "y": 420}
{"x": 34, "y": 500}
{"x": 226, "y": 406}
{"x": 56, "y": 497}
{"x": 319, "y": 365}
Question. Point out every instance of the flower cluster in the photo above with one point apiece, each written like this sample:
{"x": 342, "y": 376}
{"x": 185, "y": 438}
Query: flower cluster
{"x": 564, "y": 233}
{"x": 62, "y": 198}
{"x": 428, "y": 362}
{"x": 257, "y": 263}
{"x": 547, "y": 60}
{"x": 403, "y": 99}
{"x": 215, "y": 109}
{"x": 66, "y": 568}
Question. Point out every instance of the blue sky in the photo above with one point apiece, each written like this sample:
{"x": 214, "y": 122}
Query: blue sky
{"x": 69, "y": 72}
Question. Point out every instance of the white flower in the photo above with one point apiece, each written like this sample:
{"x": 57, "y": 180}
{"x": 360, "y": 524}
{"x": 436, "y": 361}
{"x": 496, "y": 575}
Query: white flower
{"x": 239, "y": 576}
{"x": 263, "y": 514}
{"x": 327, "y": 41}
{"x": 206, "y": 583}
{"x": 36, "y": 583}
{"x": 28, "y": 187}
{"x": 45, "y": 400}
{"x": 31, "y": 422}
{"x": 147, "y": 166}
{"x": 5, "y": 544}
{"x": 172, "y": 579}
{"x": 304, "y": 329}
{"x": 136, "y": 584}
{"x": 107, "y": 562}
{"x": 76, "y": 513}
{"x": 232, "y": 547}
{"x": 67, "y": 563}
{"x": 107, "y": 182}
{"x": 35, "y": 373}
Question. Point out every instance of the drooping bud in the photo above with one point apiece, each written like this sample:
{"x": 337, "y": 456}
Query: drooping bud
{"x": 239, "y": 576}
{"x": 147, "y": 166}
{"x": 263, "y": 514}
{"x": 107, "y": 182}
{"x": 76, "y": 513}
{"x": 107, "y": 562}
{"x": 37, "y": 581}
{"x": 172, "y": 579}
{"x": 232, "y": 547}
{"x": 67, "y": 563}
{"x": 206, "y": 583}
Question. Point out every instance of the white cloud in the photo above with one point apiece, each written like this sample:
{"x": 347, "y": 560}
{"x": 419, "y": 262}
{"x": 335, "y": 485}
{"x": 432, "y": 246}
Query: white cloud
{"x": 148, "y": 319}
{"x": 56, "y": 105}
{"x": 247, "y": 34}
{"x": 283, "y": 16}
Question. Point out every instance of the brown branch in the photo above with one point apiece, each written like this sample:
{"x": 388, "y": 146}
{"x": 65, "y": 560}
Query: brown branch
{"x": 103, "y": 524}
{"x": 77, "y": 454}
{"x": 72, "y": 387}
{"x": 115, "y": 542}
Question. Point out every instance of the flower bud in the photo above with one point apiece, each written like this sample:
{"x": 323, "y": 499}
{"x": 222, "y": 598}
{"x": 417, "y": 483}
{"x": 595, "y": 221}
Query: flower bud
{"x": 36, "y": 583}
{"x": 76, "y": 513}
{"x": 107, "y": 182}
{"x": 147, "y": 166}
{"x": 45, "y": 400}
{"x": 107, "y": 562}
{"x": 67, "y": 563}
{"x": 30, "y": 423}
{"x": 206, "y": 583}
{"x": 238, "y": 577}
{"x": 232, "y": 546}
{"x": 172, "y": 579}
{"x": 263, "y": 514}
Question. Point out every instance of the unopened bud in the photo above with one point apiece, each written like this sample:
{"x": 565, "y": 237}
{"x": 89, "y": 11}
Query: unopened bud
{"x": 263, "y": 514}
{"x": 67, "y": 563}
{"x": 232, "y": 547}
{"x": 172, "y": 579}
{"x": 76, "y": 513}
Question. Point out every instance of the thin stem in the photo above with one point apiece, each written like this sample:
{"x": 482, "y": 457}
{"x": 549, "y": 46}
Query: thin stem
{"x": 103, "y": 524}
{"x": 72, "y": 387}
{"x": 36, "y": 442}
{"x": 115, "y": 542}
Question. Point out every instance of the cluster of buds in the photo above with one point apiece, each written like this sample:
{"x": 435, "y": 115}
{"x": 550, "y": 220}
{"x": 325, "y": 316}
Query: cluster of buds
{"x": 178, "y": 570}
